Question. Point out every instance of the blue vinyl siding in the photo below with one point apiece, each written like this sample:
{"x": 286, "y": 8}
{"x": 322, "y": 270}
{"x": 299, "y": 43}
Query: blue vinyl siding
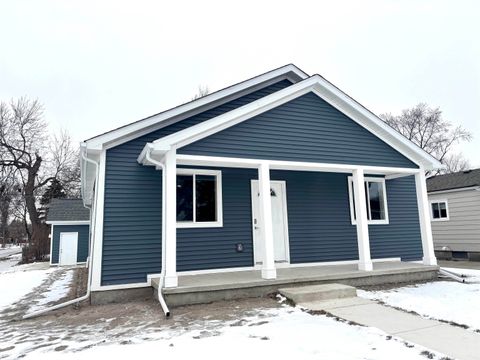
{"x": 401, "y": 237}
{"x": 304, "y": 129}
{"x": 82, "y": 246}
{"x": 213, "y": 248}
{"x": 132, "y": 215}
{"x": 319, "y": 222}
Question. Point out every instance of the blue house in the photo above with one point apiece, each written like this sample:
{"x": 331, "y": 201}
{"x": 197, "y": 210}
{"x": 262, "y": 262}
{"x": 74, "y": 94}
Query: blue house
{"x": 281, "y": 171}
{"x": 69, "y": 232}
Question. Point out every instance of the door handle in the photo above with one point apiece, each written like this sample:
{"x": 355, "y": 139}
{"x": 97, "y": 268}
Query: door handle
{"x": 257, "y": 227}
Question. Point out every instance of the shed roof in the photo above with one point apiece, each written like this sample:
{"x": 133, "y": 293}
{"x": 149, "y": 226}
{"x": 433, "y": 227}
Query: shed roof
{"x": 67, "y": 210}
{"x": 458, "y": 180}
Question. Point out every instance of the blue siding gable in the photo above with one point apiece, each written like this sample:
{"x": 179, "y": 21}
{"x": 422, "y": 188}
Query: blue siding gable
{"x": 82, "y": 246}
{"x": 304, "y": 129}
{"x": 133, "y": 201}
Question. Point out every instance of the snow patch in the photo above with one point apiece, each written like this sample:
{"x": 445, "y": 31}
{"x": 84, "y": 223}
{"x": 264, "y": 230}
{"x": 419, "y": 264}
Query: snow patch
{"x": 58, "y": 290}
{"x": 441, "y": 300}
{"x": 286, "y": 332}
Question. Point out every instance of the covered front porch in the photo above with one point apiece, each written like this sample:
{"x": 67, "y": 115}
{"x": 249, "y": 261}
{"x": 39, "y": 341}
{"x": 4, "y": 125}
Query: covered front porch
{"x": 207, "y": 287}
{"x": 265, "y": 266}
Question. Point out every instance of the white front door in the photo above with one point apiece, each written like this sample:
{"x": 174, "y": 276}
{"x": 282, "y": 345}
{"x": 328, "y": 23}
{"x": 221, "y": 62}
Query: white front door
{"x": 68, "y": 248}
{"x": 279, "y": 221}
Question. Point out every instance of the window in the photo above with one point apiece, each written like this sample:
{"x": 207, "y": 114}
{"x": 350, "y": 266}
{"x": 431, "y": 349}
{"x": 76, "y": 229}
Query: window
{"x": 439, "y": 210}
{"x": 376, "y": 196}
{"x": 199, "y": 198}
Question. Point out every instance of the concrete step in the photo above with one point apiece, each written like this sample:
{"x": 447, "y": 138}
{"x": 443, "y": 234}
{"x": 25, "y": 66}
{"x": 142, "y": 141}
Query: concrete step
{"x": 305, "y": 294}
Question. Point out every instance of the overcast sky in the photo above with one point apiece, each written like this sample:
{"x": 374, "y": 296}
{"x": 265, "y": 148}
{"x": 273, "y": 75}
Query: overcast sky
{"x": 101, "y": 64}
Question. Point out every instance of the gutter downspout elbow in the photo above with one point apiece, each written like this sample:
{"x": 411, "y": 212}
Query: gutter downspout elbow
{"x": 163, "y": 304}
{"x": 89, "y": 266}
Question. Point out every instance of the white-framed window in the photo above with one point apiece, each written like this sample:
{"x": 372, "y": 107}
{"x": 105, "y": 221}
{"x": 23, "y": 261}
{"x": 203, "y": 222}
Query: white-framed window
{"x": 376, "y": 196}
{"x": 439, "y": 210}
{"x": 199, "y": 198}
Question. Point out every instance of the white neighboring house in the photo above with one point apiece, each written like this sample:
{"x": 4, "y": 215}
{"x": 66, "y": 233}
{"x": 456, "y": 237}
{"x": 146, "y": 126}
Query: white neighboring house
{"x": 455, "y": 214}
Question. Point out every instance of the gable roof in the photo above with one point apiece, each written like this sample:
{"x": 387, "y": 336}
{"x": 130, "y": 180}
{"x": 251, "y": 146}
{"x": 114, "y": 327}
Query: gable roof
{"x": 67, "y": 210}
{"x": 319, "y": 86}
{"x": 458, "y": 180}
{"x": 165, "y": 118}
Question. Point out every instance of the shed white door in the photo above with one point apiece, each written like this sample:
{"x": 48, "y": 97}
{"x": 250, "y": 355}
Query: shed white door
{"x": 68, "y": 248}
{"x": 279, "y": 221}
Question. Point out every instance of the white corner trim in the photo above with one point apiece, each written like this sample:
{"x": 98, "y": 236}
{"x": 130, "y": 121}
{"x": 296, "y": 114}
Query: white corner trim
{"x": 99, "y": 199}
{"x": 51, "y": 242}
{"x": 350, "y": 197}
{"x": 321, "y": 88}
{"x": 435, "y": 201}
{"x": 152, "y": 123}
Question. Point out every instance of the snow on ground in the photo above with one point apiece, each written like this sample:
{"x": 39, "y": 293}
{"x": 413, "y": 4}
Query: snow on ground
{"x": 7, "y": 262}
{"x": 18, "y": 281}
{"x": 283, "y": 332}
{"x": 58, "y": 290}
{"x": 9, "y": 250}
{"x": 442, "y": 300}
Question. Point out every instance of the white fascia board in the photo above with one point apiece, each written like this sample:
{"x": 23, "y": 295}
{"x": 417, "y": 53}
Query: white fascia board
{"x": 69, "y": 222}
{"x": 139, "y": 128}
{"x": 321, "y": 88}
{"x": 454, "y": 190}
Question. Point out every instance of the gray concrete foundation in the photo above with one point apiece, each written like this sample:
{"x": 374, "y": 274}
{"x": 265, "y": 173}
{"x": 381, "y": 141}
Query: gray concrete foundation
{"x": 120, "y": 296}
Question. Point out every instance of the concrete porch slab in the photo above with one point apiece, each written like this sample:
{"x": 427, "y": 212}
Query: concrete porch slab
{"x": 203, "y": 288}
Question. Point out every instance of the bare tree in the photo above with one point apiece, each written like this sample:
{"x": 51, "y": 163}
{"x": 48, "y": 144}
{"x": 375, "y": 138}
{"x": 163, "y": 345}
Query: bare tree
{"x": 24, "y": 147}
{"x": 426, "y": 127}
{"x": 8, "y": 189}
{"x": 455, "y": 163}
{"x": 201, "y": 92}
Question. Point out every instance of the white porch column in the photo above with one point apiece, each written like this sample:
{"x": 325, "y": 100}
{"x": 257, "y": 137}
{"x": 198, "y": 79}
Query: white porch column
{"x": 268, "y": 268}
{"x": 424, "y": 217}
{"x": 170, "y": 265}
{"x": 364, "y": 260}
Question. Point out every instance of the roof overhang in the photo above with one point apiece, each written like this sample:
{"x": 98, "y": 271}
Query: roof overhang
{"x": 319, "y": 86}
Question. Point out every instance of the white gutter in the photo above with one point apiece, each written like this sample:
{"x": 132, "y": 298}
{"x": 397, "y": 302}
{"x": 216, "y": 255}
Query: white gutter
{"x": 88, "y": 264}
{"x": 452, "y": 275}
{"x": 162, "y": 272}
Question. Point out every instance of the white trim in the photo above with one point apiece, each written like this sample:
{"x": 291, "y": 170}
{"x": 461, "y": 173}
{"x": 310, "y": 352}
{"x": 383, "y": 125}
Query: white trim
{"x": 440, "y": 219}
{"x": 99, "y": 198}
{"x": 453, "y": 190}
{"x": 265, "y": 207}
{"x": 321, "y": 88}
{"x": 218, "y": 199}
{"x": 152, "y": 123}
{"x": 78, "y": 222}
{"x": 170, "y": 265}
{"x": 51, "y": 243}
{"x": 350, "y": 197}
{"x": 283, "y": 185}
{"x": 200, "y": 160}
{"x": 363, "y": 238}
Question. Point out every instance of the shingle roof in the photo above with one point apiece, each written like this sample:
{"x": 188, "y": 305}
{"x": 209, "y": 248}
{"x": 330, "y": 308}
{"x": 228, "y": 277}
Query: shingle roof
{"x": 67, "y": 210}
{"x": 458, "y": 180}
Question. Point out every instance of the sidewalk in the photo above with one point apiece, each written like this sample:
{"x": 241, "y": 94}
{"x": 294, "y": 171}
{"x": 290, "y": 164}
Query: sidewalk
{"x": 449, "y": 340}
